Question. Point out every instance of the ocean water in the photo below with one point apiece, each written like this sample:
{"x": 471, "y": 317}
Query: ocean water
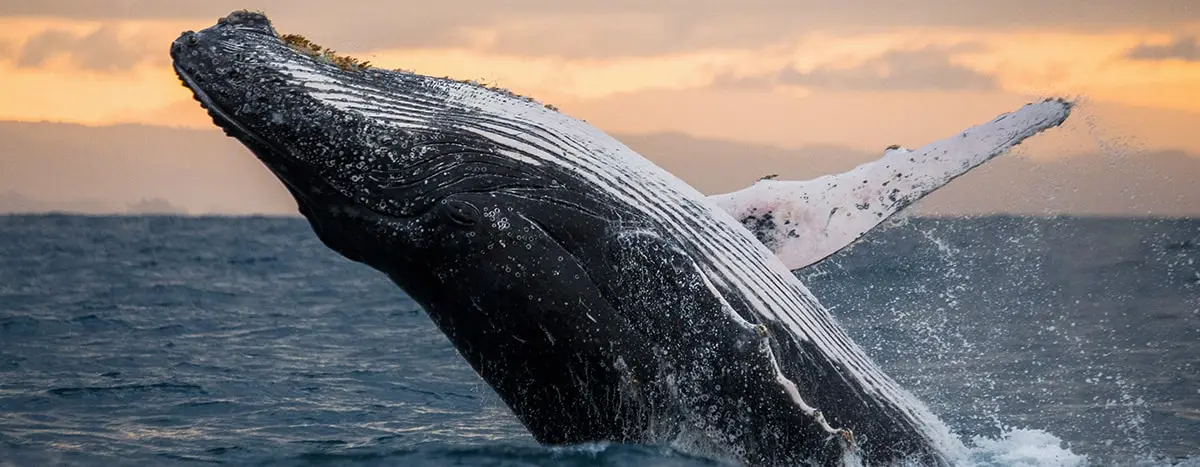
{"x": 179, "y": 341}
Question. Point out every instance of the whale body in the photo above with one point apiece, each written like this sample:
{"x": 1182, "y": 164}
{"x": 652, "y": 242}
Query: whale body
{"x": 602, "y": 298}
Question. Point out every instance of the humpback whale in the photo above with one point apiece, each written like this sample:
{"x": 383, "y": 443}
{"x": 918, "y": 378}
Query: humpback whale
{"x": 602, "y": 298}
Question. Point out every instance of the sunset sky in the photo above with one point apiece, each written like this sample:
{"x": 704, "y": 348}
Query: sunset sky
{"x": 785, "y": 73}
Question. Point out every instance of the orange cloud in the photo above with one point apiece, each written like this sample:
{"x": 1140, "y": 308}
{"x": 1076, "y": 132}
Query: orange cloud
{"x": 1095, "y": 65}
{"x": 982, "y": 71}
{"x": 58, "y": 92}
{"x": 102, "y": 49}
{"x": 84, "y": 71}
{"x": 1186, "y": 48}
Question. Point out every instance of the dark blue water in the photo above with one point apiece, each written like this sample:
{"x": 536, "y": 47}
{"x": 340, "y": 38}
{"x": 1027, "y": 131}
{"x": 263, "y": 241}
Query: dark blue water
{"x": 173, "y": 341}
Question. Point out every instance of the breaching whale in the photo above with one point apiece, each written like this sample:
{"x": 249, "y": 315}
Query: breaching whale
{"x": 602, "y": 298}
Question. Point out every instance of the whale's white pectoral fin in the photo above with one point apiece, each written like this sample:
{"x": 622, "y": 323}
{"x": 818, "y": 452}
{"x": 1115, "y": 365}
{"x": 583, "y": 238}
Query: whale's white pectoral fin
{"x": 804, "y": 222}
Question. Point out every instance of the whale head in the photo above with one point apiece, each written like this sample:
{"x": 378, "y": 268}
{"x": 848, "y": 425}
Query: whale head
{"x": 373, "y": 157}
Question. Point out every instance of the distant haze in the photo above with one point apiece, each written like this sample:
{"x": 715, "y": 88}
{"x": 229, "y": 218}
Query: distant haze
{"x": 149, "y": 169}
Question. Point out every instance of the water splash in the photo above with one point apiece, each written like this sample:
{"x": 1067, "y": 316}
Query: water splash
{"x": 1036, "y": 339}
{"x": 1023, "y": 448}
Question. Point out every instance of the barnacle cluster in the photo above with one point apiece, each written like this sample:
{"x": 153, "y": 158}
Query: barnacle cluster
{"x": 348, "y": 63}
{"x": 499, "y": 90}
{"x": 303, "y": 45}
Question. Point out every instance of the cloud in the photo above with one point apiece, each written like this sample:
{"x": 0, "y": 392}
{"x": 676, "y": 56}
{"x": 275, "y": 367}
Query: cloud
{"x": 900, "y": 70}
{"x": 605, "y": 28}
{"x": 44, "y": 45}
{"x": 614, "y": 34}
{"x": 927, "y": 69}
{"x": 102, "y": 49}
{"x": 747, "y": 83}
{"x": 1184, "y": 48}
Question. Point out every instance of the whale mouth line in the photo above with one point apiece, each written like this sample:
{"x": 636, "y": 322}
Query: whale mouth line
{"x": 224, "y": 120}
{"x": 217, "y": 112}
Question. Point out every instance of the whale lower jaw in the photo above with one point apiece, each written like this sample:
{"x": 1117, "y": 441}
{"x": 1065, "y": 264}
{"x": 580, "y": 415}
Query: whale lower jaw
{"x": 224, "y": 120}
{"x": 273, "y": 157}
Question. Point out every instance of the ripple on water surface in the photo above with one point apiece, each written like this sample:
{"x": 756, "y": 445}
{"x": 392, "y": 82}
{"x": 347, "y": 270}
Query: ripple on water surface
{"x": 162, "y": 341}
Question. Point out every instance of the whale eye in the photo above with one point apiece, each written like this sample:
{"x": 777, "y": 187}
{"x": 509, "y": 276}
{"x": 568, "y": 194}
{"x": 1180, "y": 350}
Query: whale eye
{"x": 460, "y": 212}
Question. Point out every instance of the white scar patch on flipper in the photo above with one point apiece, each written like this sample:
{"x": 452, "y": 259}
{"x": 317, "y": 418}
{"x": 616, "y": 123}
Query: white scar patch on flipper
{"x": 804, "y": 222}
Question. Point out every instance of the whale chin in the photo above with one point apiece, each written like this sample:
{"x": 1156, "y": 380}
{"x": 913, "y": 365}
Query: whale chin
{"x": 274, "y": 157}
